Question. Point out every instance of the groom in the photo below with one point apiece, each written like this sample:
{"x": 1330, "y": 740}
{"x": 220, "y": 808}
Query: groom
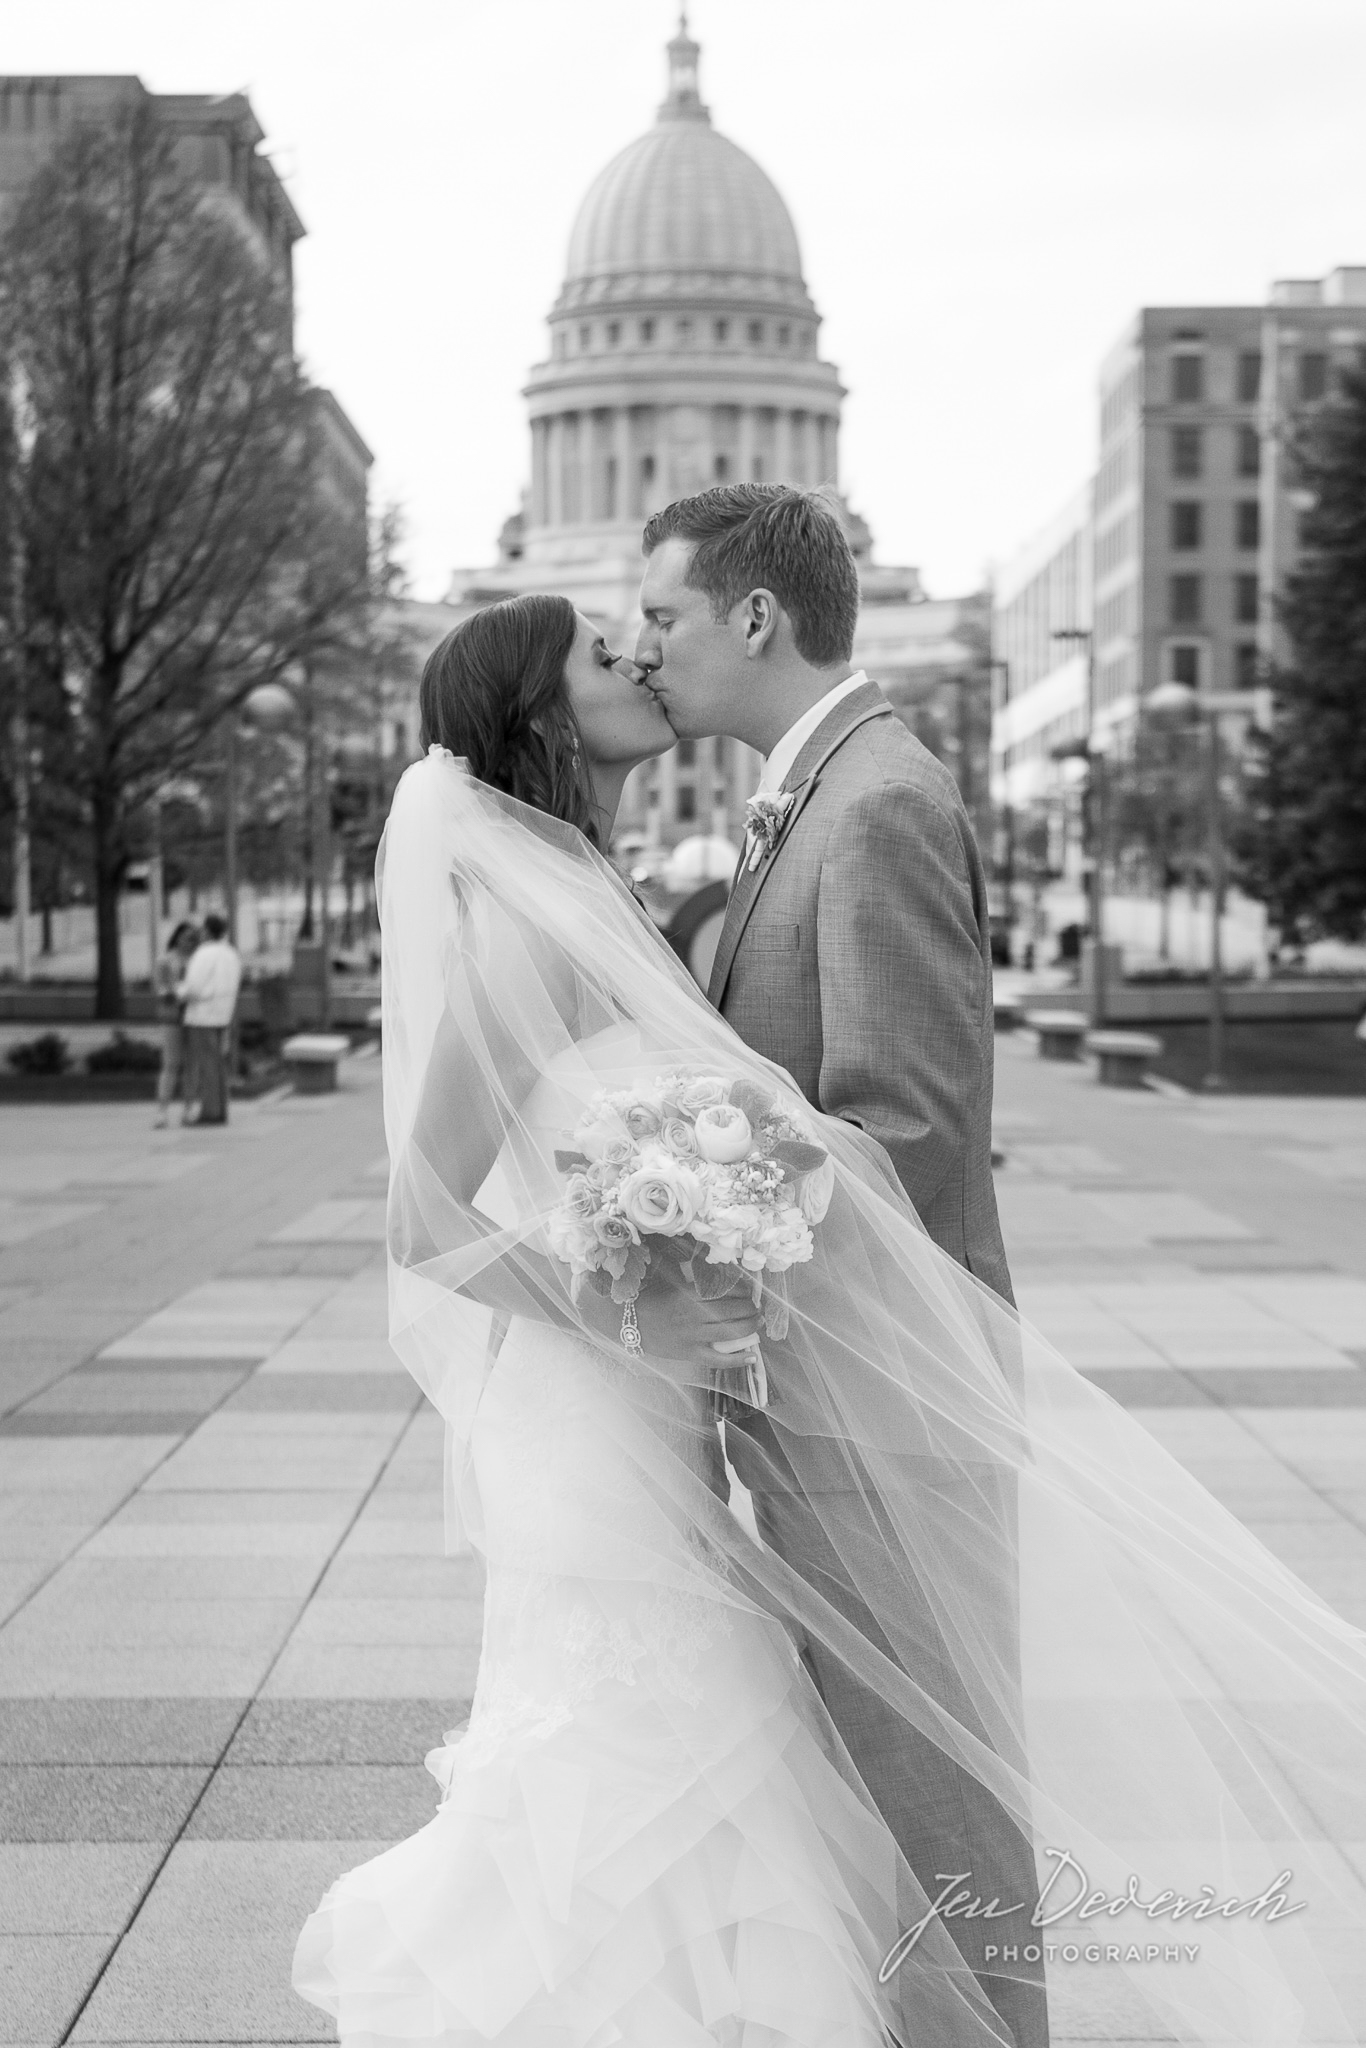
{"x": 854, "y": 954}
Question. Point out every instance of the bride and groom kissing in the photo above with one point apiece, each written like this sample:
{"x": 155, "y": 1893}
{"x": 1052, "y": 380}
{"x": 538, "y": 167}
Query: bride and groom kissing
{"x": 717, "y": 1762}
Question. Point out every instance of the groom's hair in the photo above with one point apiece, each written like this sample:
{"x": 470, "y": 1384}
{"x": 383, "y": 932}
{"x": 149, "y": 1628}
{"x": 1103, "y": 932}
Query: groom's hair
{"x": 769, "y": 537}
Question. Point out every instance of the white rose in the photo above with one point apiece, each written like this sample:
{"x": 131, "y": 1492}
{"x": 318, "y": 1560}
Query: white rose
{"x": 662, "y": 1199}
{"x": 723, "y": 1134}
{"x": 699, "y": 1092}
{"x": 784, "y": 1240}
{"x": 572, "y": 1239}
{"x": 816, "y": 1191}
{"x": 729, "y": 1230}
{"x": 605, "y": 1138}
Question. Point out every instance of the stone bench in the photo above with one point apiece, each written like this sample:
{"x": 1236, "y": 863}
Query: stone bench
{"x": 312, "y": 1057}
{"x": 1060, "y": 1032}
{"x": 1007, "y": 1012}
{"x": 374, "y": 1019}
{"x": 1124, "y": 1056}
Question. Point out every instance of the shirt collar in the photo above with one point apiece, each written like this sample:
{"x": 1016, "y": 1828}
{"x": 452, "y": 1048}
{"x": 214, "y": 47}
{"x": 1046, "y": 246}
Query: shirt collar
{"x": 779, "y": 763}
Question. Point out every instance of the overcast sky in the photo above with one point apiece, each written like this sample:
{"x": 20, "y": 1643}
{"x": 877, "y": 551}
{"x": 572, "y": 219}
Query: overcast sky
{"x": 984, "y": 191}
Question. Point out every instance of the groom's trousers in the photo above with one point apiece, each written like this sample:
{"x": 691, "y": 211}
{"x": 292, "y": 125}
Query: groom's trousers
{"x": 944, "y": 1820}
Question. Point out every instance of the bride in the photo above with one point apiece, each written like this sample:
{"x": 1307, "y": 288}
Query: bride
{"x": 650, "y": 1835}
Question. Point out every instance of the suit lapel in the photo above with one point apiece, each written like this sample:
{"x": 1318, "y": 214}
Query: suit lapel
{"x": 856, "y": 710}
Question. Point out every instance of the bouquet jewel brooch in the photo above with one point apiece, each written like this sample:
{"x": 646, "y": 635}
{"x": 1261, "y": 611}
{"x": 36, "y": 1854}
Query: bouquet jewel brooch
{"x": 765, "y": 816}
{"x": 710, "y": 1173}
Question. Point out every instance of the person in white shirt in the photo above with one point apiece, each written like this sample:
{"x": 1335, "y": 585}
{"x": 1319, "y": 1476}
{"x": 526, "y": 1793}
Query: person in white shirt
{"x": 210, "y": 987}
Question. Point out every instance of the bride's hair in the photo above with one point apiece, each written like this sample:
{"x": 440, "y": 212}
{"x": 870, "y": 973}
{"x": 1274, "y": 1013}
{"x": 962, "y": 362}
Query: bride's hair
{"x": 494, "y": 691}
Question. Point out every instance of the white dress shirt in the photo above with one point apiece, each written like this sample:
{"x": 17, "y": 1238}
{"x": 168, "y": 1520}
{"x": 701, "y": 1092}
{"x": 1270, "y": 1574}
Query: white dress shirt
{"x": 210, "y": 985}
{"x": 779, "y": 764}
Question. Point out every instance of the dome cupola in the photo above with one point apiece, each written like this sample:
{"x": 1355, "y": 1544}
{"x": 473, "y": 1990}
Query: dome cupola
{"x": 683, "y": 340}
{"x": 682, "y": 213}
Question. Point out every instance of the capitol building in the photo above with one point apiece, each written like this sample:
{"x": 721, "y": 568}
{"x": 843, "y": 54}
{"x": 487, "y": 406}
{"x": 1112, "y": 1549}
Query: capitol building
{"x": 684, "y": 351}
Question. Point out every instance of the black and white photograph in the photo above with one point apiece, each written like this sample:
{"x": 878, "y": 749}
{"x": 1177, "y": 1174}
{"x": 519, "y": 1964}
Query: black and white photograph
{"x": 683, "y": 1024}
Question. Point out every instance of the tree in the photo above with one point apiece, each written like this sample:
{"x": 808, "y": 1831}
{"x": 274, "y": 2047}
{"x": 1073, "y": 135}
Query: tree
{"x": 174, "y": 550}
{"x": 1303, "y": 847}
{"x": 1157, "y": 812}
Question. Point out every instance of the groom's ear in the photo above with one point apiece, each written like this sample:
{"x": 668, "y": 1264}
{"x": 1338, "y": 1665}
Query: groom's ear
{"x": 760, "y": 614}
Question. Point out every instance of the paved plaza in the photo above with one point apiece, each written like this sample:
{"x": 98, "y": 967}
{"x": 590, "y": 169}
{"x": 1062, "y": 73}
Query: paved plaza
{"x": 231, "y": 1629}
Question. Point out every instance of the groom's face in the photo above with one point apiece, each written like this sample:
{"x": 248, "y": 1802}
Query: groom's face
{"x": 696, "y": 662}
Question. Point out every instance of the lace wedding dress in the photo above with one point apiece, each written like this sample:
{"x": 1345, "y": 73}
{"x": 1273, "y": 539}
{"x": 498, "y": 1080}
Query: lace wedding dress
{"x": 640, "y": 1838}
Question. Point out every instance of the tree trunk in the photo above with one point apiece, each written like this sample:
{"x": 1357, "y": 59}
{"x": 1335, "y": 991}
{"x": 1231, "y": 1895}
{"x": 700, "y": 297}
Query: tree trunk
{"x": 108, "y": 861}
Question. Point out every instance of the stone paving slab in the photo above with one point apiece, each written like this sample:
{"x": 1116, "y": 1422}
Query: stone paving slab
{"x": 241, "y": 1634}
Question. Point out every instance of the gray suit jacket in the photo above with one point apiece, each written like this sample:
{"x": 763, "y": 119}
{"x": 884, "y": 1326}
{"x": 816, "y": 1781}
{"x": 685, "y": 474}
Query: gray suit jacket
{"x": 857, "y": 956}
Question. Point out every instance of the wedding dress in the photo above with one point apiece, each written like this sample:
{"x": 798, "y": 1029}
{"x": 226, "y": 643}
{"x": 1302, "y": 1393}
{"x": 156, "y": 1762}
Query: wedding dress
{"x": 651, "y": 1833}
{"x": 641, "y": 1838}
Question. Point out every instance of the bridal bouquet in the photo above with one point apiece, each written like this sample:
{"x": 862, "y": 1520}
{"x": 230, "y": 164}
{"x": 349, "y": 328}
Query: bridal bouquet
{"x": 711, "y": 1173}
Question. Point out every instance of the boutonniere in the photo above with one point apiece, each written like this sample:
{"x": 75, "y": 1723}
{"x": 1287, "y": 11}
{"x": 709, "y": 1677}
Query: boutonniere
{"x": 765, "y": 816}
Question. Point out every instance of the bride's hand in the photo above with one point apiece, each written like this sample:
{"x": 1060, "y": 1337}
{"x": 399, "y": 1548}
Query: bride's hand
{"x": 678, "y": 1329}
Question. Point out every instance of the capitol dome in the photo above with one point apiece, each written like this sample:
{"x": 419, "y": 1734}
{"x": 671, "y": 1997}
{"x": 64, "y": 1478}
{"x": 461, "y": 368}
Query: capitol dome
{"x": 683, "y": 343}
{"x": 683, "y": 203}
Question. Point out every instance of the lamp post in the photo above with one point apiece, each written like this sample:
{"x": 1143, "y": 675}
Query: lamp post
{"x": 1002, "y": 668}
{"x": 1173, "y": 703}
{"x": 1092, "y": 750}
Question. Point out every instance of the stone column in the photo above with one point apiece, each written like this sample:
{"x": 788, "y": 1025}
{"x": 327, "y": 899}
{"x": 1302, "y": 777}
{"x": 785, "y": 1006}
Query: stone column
{"x": 746, "y": 444}
{"x": 554, "y": 472}
{"x": 720, "y": 789}
{"x": 668, "y": 792}
{"x": 623, "y": 508}
{"x": 540, "y": 485}
{"x": 782, "y": 446}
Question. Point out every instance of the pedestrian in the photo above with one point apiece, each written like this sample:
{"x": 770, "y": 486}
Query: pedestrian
{"x": 212, "y": 980}
{"x": 170, "y": 989}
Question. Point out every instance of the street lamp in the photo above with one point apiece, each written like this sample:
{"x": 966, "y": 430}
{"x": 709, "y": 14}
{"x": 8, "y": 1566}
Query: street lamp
{"x": 1092, "y": 750}
{"x": 1002, "y": 668}
{"x": 1175, "y": 703}
{"x": 1090, "y": 756}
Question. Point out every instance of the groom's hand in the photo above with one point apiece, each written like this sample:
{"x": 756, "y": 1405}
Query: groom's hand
{"x": 677, "y": 1328}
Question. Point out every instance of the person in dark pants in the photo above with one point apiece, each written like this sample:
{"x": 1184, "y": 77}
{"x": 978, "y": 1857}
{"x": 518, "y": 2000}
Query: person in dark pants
{"x": 212, "y": 980}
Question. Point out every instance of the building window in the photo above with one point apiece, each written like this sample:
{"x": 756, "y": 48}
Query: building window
{"x": 687, "y": 753}
{"x": 1313, "y": 378}
{"x": 647, "y": 330}
{"x": 687, "y": 804}
{"x": 1249, "y": 523}
{"x": 1245, "y": 600}
{"x": 1188, "y": 379}
{"x": 1245, "y": 674}
{"x": 1249, "y": 452}
{"x": 756, "y": 332}
{"x": 613, "y": 333}
{"x": 721, "y": 469}
{"x": 721, "y": 330}
{"x": 1249, "y": 376}
{"x": 784, "y": 335}
{"x": 1188, "y": 451}
{"x": 585, "y": 337}
{"x": 1185, "y": 600}
{"x": 1184, "y": 666}
{"x": 1186, "y": 525}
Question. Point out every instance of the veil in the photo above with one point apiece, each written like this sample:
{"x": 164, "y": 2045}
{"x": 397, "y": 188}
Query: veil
{"x": 1170, "y": 1722}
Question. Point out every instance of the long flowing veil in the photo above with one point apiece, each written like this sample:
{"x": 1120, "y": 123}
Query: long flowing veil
{"x": 1169, "y": 1718}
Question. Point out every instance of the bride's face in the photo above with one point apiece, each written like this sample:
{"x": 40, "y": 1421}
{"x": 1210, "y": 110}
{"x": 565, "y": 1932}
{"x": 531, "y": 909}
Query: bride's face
{"x": 620, "y": 720}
